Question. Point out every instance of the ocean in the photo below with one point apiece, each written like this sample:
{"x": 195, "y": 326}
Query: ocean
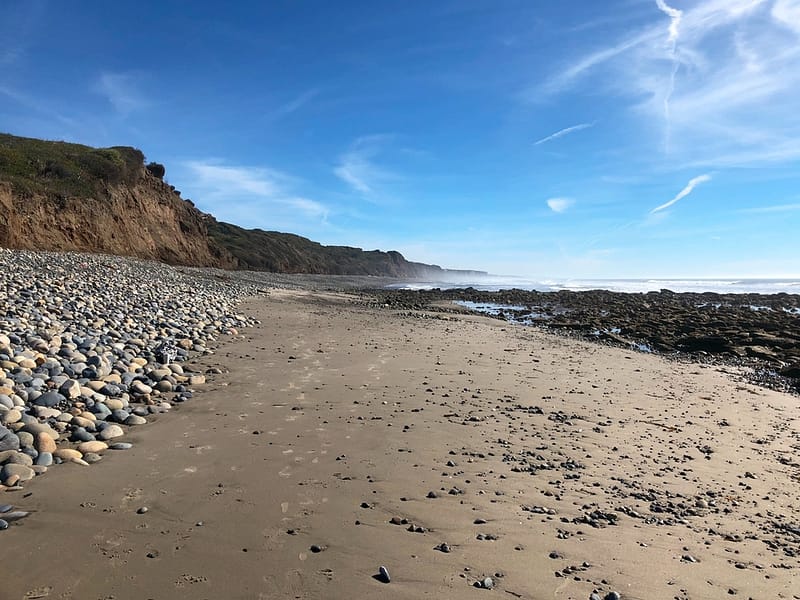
{"x": 633, "y": 286}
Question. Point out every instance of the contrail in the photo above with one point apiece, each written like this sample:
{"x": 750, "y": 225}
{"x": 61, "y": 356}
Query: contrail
{"x": 693, "y": 183}
{"x": 564, "y": 132}
{"x": 675, "y": 20}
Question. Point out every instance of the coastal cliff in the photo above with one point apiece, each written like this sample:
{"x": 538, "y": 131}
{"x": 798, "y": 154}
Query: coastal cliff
{"x": 69, "y": 197}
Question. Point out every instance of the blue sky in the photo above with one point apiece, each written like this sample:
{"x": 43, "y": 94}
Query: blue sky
{"x": 628, "y": 138}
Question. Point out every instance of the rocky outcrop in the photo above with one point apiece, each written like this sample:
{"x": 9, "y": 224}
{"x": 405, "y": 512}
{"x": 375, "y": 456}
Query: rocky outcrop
{"x": 143, "y": 218}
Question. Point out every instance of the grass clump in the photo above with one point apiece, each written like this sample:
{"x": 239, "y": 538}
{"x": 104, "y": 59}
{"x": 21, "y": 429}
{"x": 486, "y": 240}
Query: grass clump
{"x": 34, "y": 166}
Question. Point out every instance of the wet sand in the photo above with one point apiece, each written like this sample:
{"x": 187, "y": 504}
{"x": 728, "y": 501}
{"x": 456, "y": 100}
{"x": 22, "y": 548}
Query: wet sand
{"x": 582, "y": 467}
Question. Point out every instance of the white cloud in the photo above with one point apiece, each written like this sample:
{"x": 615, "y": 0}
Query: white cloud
{"x": 357, "y": 168}
{"x": 122, "y": 91}
{"x": 560, "y": 205}
{"x": 787, "y": 12}
{"x": 718, "y": 84}
{"x": 563, "y": 132}
{"x": 693, "y": 183}
{"x": 261, "y": 191}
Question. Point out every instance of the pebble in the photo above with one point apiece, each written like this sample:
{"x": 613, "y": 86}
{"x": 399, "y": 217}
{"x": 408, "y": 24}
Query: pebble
{"x": 383, "y": 574}
{"x": 80, "y": 341}
{"x": 120, "y": 446}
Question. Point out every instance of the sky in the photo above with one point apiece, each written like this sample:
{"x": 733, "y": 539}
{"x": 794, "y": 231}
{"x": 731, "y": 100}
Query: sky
{"x": 626, "y": 138}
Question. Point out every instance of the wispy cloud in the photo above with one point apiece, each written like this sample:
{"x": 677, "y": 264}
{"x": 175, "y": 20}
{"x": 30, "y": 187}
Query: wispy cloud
{"x": 562, "y": 132}
{"x": 672, "y": 42}
{"x": 295, "y": 104}
{"x": 122, "y": 91}
{"x": 725, "y": 61}
{"x": 261, "y": 190}
{"x": 357, "y": 167}
{"x": 560, "y": 205}
{"x": 693, "y": 183}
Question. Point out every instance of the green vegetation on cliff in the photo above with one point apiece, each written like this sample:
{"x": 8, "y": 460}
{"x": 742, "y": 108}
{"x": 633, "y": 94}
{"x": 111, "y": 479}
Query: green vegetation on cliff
{"x": 34, "y": 166}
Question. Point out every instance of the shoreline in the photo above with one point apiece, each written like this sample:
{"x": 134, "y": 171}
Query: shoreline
{"x": 557, "y": 467}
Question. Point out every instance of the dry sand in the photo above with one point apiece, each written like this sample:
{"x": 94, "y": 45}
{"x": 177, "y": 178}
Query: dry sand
{"x": 335, "y": 418}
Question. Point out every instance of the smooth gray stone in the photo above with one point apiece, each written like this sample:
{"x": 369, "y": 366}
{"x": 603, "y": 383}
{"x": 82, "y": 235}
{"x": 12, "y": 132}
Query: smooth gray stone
{"x": 15, "y": 515}
{"x": 49, "y": 399}
{"x": 3, "y": 525}
{"x": 120, "y": 446}
{"x": 135, "y": 420}
{"x": 92, "y": 457}
{"x": 81, "y": 435}
{"x": 6, "y": 401}
{"x": 119, "y": 415}
{"x": 24, "y": 471}
{"x": 101, "y": 411}
{"x": 4, "y": 508}
{"x": 111, "y": 390}
{"x": 25, "y": 439}
{"x": 8, "y": 439}
{"x": 45, "y": 459}
{"x": 112, "y": 431}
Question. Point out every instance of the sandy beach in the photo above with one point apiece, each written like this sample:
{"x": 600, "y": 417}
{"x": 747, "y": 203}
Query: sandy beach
{"x": 341, "y": 437}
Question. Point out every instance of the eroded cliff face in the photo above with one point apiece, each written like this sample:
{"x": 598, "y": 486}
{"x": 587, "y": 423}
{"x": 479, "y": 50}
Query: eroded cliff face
{"x": 144, "y": 218}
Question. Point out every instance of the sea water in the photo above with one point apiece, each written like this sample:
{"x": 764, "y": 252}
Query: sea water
{"x": 721, "y": 286}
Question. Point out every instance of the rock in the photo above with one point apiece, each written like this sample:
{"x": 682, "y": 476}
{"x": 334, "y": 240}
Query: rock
{"x": 383, "y": 575}
{"x": 487, "y": 583}
{"x": 44, "y": 443}
{"x": 613, "y": 596}
{"x": 70, "y": 389}
{"x": 135, "y": 420}
{"x": 140, "y": 389}
{"x": 111, "y": 432}
{"x": 3, "y": 524}
{"x": 10, "y": 416}
{"x": 317, "y": 548}
{"x": 26, "y": 439}
{"x": 50, "y": 399}
{"x": 197, "y": 379}
{"x": 21, "y": 472}
{"x": 35, "y": 428}
{"x": 67, "y": 454}
{"x": 114, "y": 404}
{"x": 20, "y": 458}
{"x": 8, "y": 440}
{"x": 120, "y": 446}
{"x": 45, "y": 459}
{"x": 93, "y": 447}
{"x": 92, "y": 457}
{"x": 141, "y": 510}
{"x": 79, "y": 434}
